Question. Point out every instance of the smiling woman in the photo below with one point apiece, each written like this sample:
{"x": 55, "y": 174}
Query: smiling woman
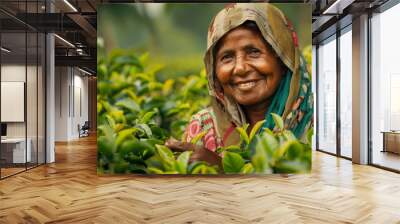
{"x": 254, "y": 68}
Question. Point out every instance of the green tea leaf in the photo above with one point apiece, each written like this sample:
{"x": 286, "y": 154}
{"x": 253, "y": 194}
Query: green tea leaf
{"x": 278, "y": 121}
{"x": 295, "y": 166}
{"x": 267, "y": 130}
{"x": 295, "y": 150}
{"x": 247, "y": 169}
{"x": 285, "y": 147}
{"x": 106, "y": 130}
{"x": 232, "y": 162}
{"x": 118, "y": 116}
{"x": 99, "y": 107}
{"x": 146, "y": 117}
{"x": 171, "y": 172}
{"x": 105, "y": 148}
{"x": 309, "y": 136}
{"x": 166, "y": 156}
{"x": 255, "y": 129}
{"x": 137, "y": 168}
{"x": 124, "y": 134}
{"x": 121, "y": 167}
{"x": 155, "y": 161}
{"x": 243, "y": 134}
{"x": 232, "y": 148}
{"x": 128, "y": 104}
{"x": 182, "y": 162}
{"x": 138, "y": 148}
{"x": 110, "y": 121}
{"x": 260, "y": 161}
{"x": 245, "y": 154}
{"x": 198, "y": 137}
{"x": 268, "y": 142}
{"x": 289, "y": 135}
{"x": 153, "y": 170}
{"x": 204, "y": 169}
{"x": 167, "y": 86}
{"x": 194, "y": 164}
{"x": 144, "y": 58}
{"x": 146, "y": 129}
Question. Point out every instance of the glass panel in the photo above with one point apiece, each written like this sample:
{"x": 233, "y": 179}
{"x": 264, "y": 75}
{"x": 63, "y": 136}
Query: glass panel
{"x": 327, "y": 96}
{"x": 32, "y": 85}
{"x": 385, "y": 84}
{"x": 23, "y": 84}
{"x": 32, "y": 96}
{"x": 41, "y": 99}
{"x": 346, "y": 94}
{"x": 13, "y": 86}
{"x": 314, "y": 86}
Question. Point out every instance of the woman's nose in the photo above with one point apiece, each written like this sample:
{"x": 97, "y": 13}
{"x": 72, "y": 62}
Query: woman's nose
{"x": 240, "y": 66}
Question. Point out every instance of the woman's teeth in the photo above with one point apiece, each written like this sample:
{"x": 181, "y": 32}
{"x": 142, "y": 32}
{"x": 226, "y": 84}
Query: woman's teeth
{"x": 246, "y": 86}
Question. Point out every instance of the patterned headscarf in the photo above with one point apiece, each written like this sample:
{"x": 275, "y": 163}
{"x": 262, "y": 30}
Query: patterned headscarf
{"x": 293, "y": 99}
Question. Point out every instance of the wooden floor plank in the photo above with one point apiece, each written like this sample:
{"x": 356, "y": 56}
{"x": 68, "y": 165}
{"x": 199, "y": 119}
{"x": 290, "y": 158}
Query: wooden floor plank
{"x": 69, "y": 191}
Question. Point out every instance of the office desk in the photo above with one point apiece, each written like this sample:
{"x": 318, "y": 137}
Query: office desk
{"x": 391, "y": 141}
{"x": 13, "y": 150}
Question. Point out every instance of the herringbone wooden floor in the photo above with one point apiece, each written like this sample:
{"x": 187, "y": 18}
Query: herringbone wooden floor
{"x": 69, "y": 191}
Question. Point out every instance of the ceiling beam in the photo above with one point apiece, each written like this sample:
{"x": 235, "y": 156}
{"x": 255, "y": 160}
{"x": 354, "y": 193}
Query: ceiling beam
{"x": 77, "y": 61}
{"x": 86, "y": 26}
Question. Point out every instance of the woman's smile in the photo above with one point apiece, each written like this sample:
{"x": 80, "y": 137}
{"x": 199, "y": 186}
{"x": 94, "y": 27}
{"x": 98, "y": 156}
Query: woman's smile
{"x": 247, "y": 86}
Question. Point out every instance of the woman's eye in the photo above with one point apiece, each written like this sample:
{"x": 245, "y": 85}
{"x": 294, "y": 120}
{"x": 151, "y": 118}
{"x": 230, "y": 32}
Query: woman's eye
{"x": 226, "y": 58}
{"x": 254, "y": 52}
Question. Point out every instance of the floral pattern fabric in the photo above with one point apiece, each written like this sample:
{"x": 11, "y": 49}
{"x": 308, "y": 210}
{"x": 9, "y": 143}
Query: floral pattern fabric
{"x": 200, "y": 122}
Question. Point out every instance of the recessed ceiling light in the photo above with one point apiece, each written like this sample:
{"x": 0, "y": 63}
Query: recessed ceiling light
{"x": 70, "y": 5}
{"x": 335, "y": 8}
{"x": 64, "y": 40}
{"x": 5, "y": 49}
{"x": 84, "y": 71}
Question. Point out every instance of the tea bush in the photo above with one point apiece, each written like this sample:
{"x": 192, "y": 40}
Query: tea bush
{"x": 137, "y": 113}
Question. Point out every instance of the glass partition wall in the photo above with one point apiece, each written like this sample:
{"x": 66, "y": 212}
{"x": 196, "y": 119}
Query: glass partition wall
{"x": 345, "y": 62}
{"x": 22, "y": 98}
{"x": 327, "y": 95}
{"x": 334, "y": 94}
{"x": 13, "y": 94}
{"x": 385, "y": 90}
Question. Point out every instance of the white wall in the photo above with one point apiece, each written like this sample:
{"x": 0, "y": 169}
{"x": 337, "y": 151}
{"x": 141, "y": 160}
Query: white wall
{"x": 62, "y": 81}
{"x": 33, "y": 127}
{"x": 71, "y": 94}
{"x": 12, "y": 73}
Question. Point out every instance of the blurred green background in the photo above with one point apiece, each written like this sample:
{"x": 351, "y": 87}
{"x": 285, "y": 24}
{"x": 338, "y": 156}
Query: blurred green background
{"x": 175, "y": 34}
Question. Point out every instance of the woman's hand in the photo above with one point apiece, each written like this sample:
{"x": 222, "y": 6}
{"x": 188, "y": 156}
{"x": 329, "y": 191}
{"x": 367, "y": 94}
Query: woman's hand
{"x": 199, "y": 153}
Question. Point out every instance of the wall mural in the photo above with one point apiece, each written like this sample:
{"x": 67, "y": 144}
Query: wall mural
{"x": 204, "y": 88}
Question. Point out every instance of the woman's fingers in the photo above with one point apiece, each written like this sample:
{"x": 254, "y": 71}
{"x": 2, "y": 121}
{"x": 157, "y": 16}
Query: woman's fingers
{"x": 203, "y": 154}
{"x": 178, "y": 146}
{"x": 199, "y": 153}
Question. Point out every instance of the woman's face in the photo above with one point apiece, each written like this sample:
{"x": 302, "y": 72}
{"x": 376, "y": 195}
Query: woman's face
{"x": 246, "y": 68}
